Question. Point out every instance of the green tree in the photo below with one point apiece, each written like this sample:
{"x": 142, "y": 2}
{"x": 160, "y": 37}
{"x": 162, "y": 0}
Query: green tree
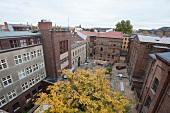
{"x": 84, "y": 92}
{"x": 124, "y": 26}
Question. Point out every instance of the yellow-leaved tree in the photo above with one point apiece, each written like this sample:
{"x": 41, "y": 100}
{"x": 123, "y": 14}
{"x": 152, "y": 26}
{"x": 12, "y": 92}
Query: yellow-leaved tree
{"x": 84, "y": 91}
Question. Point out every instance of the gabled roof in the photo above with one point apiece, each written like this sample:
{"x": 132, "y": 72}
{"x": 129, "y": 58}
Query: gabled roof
{"x": 110, "y": 34}
{"x": 154, "y": 39}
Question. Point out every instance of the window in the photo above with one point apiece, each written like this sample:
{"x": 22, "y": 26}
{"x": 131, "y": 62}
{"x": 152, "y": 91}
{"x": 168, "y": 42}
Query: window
{"x": 7, "y": 80}
{"x": 16, "y": 106}
{"x": 63, "y": 46}
{"x": 14, "y": 43}
{"x": 28, "y": 97}
{"x": 23, "y": 42}
{"x": 41, "y": 65}
{"x": 3, "y": 64}
{"x": 43, "y": 75}
{"x": 155, "y": 85}
{"x": 38, "y": 40}
{"x": 34, "y": 92}
{"x": 0, "y": 46}
{"x": 148, "y": 102}
{"x": 114, "y": 44}
{"x": 11, "y": 95}
{"x": 35, "y": 67}
{"x": 32, "y": 82}
{"x": 2, "y": 100}
{"x": 112, "y": 56}
{"x": 32, "y": 55}
{"x": 29, "y": 70}
{"x": 35, "y": 54}
{"x": 25, "y": 86}
{"x": 100, "y": 55}
{"x": 26, "y": 57}
{"x": 39, "y": 53}
{"x": 30, "y": 41}
{"x": 21, "y": 74}
{"x": 108, "y": 56}
{"x": 101, "y": 49}
{"x": 73, "y": 53}
{"x": 39, "y": 88}
{"x": 37, "y": 78}
{"x": 18, "y": 59}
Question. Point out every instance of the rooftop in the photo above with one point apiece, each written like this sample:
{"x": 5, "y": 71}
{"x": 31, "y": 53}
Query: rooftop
{"x": 20, "y": 25}
{"x": 111, "y": 34}
{"x": 165, "y": 56}
{"x": 154, "y": 39}
{"x": 14, "y": 34}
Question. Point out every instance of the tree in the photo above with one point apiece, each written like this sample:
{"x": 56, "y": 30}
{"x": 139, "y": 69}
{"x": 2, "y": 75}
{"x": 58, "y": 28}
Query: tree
{"x": 124, "y": 26}
{"x": 85, "y": 91}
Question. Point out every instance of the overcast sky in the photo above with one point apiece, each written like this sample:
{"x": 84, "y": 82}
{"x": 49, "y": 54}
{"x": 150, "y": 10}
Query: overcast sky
{"x": 144, "y": 14}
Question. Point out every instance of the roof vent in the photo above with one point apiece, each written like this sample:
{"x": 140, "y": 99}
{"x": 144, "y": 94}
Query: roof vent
{"x": 156, "y": 39}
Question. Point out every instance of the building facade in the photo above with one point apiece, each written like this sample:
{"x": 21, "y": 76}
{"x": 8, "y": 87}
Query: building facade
{"x": 21, "y": 69}
{"x": 125, "y": 42}
{"x": 57, "y": 49}
{"x": 104, "y": 46}
{"x": 155, "y": 94}
{"x": 140, "y": 47}
{"x": 78, "y": 51}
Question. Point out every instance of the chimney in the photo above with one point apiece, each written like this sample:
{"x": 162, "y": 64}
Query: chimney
{"x": 6, "y": 26}
{"x": 45, "y": 25}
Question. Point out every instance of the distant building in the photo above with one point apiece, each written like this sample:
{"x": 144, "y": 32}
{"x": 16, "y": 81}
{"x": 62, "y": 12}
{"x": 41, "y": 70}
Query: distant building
{"x": 78, "y": 50}
{"x": 104, "y": 46}
{"x": 163, "y": 31}
{"x": 155, "y": 94}
{"x": 16, "y": 27}
{"x": 125, "y": 42}
{"x": 21, "y": 69}
{"x": 57, "y": 49}
{"x": 140, "y": 47}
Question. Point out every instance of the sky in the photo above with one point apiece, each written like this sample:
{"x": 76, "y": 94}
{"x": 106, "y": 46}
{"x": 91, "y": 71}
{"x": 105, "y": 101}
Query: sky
{"x": 143, "y": 14}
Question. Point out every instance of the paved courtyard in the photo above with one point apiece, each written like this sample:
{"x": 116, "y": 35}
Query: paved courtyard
{"x": 115, "y": 81}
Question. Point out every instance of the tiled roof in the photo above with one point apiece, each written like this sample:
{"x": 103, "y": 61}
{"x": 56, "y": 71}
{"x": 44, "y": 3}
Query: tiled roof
{"x": 111, "y": 34}
{"x": 165, "y": 56}
{"x": 15, "y": 34}
{"x": 154, "y": 39}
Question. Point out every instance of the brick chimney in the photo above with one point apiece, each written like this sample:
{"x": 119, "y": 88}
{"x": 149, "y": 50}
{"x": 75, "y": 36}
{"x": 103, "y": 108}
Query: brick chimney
{"x": 45, "y": 25}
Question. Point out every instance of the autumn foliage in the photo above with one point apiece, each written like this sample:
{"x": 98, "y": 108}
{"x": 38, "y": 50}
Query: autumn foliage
{"x": 85, "y": 91}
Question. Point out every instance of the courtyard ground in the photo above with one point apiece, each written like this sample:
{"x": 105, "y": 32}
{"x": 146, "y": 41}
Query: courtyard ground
{"x": 114, "y": 78}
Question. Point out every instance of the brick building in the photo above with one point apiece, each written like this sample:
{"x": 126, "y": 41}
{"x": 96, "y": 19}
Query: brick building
{"x": 140, "y": 47}
{"x": 21, "y": 69}
{"x": 57, "y": 49}
{"x": 78, "y": 50}
{"x": 155, "y": 94}
{"x": 104, "y": 46}
{"x": 163, "y": 31}
{"x": 125, "y": 42}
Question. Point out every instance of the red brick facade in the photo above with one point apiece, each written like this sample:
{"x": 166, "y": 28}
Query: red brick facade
{"x": 157, "y": 69}
{"x": 51, "y": 44}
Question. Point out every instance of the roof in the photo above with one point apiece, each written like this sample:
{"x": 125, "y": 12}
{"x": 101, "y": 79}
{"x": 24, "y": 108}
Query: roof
{"x": 14, "y": 34}
{"x": 153, "y": 39}
{"x": 165, "y": 56}
{"x": 161, "y": 47}
{"x": 152, "y": 56}
{"x": 110, "y": 34}
{"x": 20, "y": 25}
{"x": 76, "y": 38}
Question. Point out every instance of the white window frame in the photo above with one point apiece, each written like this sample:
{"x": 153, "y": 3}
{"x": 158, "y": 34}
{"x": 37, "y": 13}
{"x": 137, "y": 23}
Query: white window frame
{"x": 26, "y": 57}
{"x": 43, "y": 75}
{"x": 25, "y": 86}
{"x": 3, "y": 64}
{"x": 23, "y": 42}
{"x": 2, "y": 98}
{"x": 21, "y": 74}
{"x": 11, "y": 95}
{"x": 31, "y": 82}
{"x": 17, "y": 59}
{"x": 37, "y": 78}
{"x": 7, "y": 80}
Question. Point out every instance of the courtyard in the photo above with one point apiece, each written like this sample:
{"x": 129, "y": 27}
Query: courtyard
{"x": 116, "y": 82}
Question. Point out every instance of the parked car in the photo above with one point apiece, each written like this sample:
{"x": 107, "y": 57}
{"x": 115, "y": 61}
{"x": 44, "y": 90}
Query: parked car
{"x": 120, "y": 67}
